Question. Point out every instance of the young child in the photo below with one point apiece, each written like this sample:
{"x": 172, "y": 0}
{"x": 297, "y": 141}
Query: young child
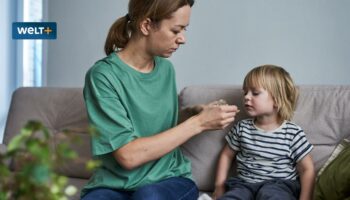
{"x": 272, "y": 153}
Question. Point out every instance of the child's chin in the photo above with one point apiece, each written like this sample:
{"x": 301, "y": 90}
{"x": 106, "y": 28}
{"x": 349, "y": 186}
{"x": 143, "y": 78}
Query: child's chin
{"x": 251, "y": 114}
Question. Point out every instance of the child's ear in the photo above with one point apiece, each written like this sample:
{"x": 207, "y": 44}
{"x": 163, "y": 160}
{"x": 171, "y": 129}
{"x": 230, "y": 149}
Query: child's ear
{"x": 146, "y": 26}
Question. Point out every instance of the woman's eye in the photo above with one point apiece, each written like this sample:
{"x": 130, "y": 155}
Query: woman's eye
{"x": 179, "y": 30}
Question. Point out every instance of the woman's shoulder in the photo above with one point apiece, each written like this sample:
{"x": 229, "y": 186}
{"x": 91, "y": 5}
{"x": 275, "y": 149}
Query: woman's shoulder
{"x": 102, "y": 66}
{"x": 100, "y": 73}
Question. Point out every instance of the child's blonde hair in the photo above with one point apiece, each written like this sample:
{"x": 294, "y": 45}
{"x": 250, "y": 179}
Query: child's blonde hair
{"x": 280, "y": 86}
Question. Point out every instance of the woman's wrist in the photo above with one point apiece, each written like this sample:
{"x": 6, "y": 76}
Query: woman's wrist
{"x": 195, "y": 125}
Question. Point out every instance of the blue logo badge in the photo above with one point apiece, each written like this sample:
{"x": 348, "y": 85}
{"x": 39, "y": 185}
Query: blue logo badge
{"x": 34, "y": 30}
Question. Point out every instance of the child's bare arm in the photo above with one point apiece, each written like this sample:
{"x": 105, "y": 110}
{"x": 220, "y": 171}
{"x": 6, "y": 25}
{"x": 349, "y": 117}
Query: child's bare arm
{"x": 307, "y": 177}
{"x": 225, "y": 160}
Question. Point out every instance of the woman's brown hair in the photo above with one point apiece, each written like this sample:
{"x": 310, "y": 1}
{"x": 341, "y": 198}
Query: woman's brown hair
{"x": 124, "y": 27}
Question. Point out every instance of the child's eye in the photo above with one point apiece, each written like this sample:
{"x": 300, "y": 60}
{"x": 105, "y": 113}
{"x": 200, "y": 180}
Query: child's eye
{"x": 256, "y": 93}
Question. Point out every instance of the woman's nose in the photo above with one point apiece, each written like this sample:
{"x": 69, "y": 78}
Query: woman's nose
{"x": 181, "y": 39}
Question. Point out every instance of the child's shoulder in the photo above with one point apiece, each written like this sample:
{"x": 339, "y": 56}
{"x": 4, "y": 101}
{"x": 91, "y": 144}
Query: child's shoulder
{"x": 292, "y": 129}
{"x": 293, "y": 125}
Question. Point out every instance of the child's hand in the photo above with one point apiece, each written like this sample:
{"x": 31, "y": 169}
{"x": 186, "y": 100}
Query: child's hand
{"x": 218, "y": 192}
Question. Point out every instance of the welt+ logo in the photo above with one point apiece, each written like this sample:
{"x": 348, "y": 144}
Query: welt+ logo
{"x": 34, "y": 30}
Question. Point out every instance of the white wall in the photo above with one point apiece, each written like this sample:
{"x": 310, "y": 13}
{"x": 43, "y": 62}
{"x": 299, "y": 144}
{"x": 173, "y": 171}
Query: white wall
{"x": 82, "y": 26}
{"x": 225, "y": 40}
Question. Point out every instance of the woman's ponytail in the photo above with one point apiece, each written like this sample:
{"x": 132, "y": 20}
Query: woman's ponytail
{"x": 118, "y": 35}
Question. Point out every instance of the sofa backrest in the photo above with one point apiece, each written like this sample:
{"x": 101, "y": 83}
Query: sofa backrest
{"x": 322, "y": 111}
{"x": 58, "y": 109}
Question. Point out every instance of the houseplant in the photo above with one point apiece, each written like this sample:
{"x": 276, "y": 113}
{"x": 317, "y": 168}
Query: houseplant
{"x": 35, "y": 162}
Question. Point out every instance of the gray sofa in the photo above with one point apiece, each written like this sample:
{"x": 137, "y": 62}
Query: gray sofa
{"x": 323, "y": 112}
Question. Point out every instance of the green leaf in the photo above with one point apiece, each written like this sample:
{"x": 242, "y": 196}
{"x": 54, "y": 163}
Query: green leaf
{"x": 39, "y": 150}
{"x": 16, "y": 142}
{"x": 41, "y": 174}
{"x": 92, "y": 164}
{"x": 4, "y": 171}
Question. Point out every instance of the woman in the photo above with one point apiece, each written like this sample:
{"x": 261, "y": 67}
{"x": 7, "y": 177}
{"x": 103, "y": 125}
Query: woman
{"x": 131, "y": 98}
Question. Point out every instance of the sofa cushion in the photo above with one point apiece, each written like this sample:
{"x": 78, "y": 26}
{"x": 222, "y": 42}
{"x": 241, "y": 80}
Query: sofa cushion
{"x": 80, "y": 143}
{"x": 324, "y": 114}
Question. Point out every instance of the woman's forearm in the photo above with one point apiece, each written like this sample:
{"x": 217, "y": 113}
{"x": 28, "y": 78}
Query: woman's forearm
{"x": 145, "y": 149}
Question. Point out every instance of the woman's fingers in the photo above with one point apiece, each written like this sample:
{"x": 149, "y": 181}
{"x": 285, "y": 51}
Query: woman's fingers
{"x": 229, "y": 108}
{"x": 227, "y": 113}
{"x": 218, "y": 116}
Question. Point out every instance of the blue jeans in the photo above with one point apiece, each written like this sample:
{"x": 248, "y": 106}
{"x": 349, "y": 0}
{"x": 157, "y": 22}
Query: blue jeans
{"x": 174, "y": 188}
{"x": 275, "y": 189}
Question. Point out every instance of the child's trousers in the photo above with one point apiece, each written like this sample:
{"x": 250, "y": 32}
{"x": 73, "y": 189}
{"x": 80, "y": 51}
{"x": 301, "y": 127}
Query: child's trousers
{"x": 271, "y": 189}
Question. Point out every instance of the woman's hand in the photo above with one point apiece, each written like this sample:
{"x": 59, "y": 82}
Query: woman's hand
{"x": 215, "y": 116}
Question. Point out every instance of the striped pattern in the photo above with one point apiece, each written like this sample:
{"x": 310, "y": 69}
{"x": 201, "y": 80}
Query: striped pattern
{"x": 267, "y": 155}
